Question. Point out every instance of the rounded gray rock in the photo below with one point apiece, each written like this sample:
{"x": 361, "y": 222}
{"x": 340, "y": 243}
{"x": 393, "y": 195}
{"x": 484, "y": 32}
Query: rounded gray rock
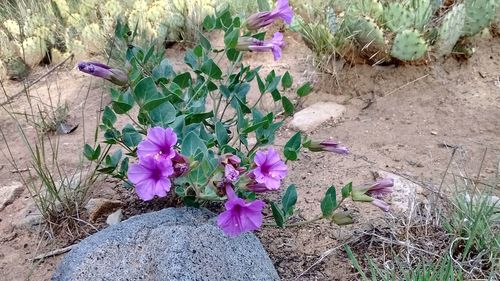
{"x": 171, "y": 244}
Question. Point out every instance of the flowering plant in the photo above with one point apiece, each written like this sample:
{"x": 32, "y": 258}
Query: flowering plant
{"x": 190, "y": 137}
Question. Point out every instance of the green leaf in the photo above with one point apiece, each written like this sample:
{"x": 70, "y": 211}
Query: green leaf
{"x": 191, "y": 59}
{"x": 292, "y": 147}
{"x": 342, "y": 219}
{"x": 221, "y": 133}
{"x": 232, "y": 54}
{"x": 164, "y": 70}
{"x": 204, "y": 41}
{"x": 191, "y": 144}
{"x": 108, "y": 117}
{"x": 224, "y": 19}
{"x": 278, "y": 215}
{"x": 231, "y": 38}
{"x": 276, "y": 95}
{"x": 209, "y": 22}
{"x": 163, "y": 115}
{"x": 304, "y": 90}
{"x": 124, "y": 166}
{"x": 272, "y": 84}
{"x": 346, "y": 190}
{"x": 289, "y": 200}
{"x": 198, "y": 51}
{"x": 329, "y": 202}
{"x": 211, "y": 69}
{"x": 183, "y": 80}
{"x": 260, "y": 83}
{"x": 287, "y": 80}
{"x": 287, "y": 106}
{"x": 130, "y": 136}
{"x": 196, "y": 118}
{"x": 145, "y": 89}
{"x": 154, "y": 103}
{"x": 88, "y": 152}
{"x": 122, "y": 102}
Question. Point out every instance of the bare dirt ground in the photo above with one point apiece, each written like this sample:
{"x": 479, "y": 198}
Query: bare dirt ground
{"x": 396, "y": 120}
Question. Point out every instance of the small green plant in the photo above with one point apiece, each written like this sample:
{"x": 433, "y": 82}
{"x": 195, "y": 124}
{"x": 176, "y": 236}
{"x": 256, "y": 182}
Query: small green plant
{"x": 191, "y": 137}
{"x": 59, "y": 192}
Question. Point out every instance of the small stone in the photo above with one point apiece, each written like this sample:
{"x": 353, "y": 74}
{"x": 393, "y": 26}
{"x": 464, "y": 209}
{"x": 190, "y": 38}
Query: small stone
{"x": 172, "y": 244}
{"x": 29, "y": 217}
{"x": 115, "y": 217}
{"x": 434, "y": 133}
{"x": 311, "y": 117}
{"x": 98, "y": 207}
{"x": 9, "y": 193}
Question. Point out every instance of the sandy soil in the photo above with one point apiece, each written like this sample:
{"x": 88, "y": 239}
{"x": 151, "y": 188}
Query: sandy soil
{"x": 396, "y": 120}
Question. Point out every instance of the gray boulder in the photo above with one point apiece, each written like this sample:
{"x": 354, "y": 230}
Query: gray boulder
{"x": 171, "y": 244}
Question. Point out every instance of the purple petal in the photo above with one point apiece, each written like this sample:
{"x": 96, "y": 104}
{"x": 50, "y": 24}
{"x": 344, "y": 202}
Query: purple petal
{"x": 381, "y": 204}
{"x": 146, "y": 189}
{"x": 272, "y": 183}
{"x": 284, "y": 11}
{"x": 138, "y": 173}
{"x": 260, "y": 158}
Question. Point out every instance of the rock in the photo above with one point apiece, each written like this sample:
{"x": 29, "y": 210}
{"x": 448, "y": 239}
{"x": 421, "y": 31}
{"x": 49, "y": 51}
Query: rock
{"x": 405, "y": 192}
{"x": 311, "y": 117}
{"x": 9, "y": 193}
{"x": 29, "y": 217}
{"x": 98, "y": 207}
{"x": 171, "y": 244}
{"x": 115, "y": 217}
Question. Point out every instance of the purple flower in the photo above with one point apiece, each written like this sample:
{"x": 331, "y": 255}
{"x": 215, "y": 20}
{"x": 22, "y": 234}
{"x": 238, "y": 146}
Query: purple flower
{"x": 262, "y": 19}
{"x": 328, "y": 145}
{"x": 116, "y": 76}
{"x": 240, "y": 216}
{"x": 381, "y": 187}
{"x": 230, "y": 159}
{"x": 180, "y": 164}
{"x": 252, "y": 44}
{"x": 269, "y": 170}
{"x": 150, "y": 177}
{"x": 231, "y": 174}
{"x": 159, "y": 144}
{"x": 374, "y": 192}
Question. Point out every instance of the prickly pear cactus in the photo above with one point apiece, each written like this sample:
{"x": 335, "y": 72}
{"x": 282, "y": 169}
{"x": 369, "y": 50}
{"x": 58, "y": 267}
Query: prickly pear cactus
{"x": 397, "y": 17}
{"x": 34, "y": 50}
{"x": 450, "y": 30}
{"x": 370, "y": 39}
{"x": 479, "y": 14}
{"x": 409, "y": 45}
{"x": 423, "y": 11}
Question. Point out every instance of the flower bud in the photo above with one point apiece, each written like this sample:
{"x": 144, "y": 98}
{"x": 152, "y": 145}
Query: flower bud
{"x": 114, "y": 75}
{"x": 327, "y": 145}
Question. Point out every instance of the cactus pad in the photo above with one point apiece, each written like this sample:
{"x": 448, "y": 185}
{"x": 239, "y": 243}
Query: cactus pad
{"x": 423, "y": 11}
{"x": 450, "y": 30}
{"x": 370, "y": 39}
{"x": 479, "y": 14}
{"x": 409, "y": 45}
{"x": 398, "y": 17}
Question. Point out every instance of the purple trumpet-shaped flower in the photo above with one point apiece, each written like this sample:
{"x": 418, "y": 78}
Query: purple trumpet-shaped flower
{"x": 114, "y": 75}
{"x": 327, "y": 145}
{"x": 374, "y": 192}
{"x": 240, "y": 216}
{"x": 252, "y": 44}
{"x": 262, "y": 19}
{"x": 269, "y": 170}
{"x": 381, "y": 187}
{"x": 159, "y": 144}
{"x": 151, "y": 177}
